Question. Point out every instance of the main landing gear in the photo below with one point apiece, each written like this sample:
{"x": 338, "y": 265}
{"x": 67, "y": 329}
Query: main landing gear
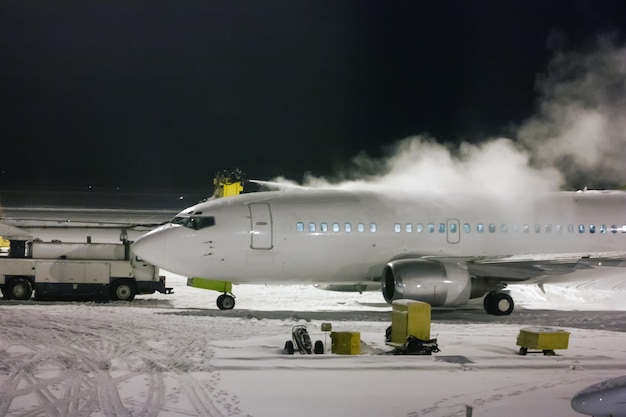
{"x": 226, "y": 301}
{"x": 498, "y": 303}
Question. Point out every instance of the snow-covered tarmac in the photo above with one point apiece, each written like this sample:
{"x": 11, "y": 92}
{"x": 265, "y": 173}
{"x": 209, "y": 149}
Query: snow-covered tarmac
{"x": 177, "y": 355}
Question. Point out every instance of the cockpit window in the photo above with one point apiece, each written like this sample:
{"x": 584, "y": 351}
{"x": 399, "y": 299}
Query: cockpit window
{"x": 194, "y": 222}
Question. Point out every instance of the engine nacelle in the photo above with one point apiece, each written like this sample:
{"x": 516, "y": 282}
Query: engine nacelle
{"x": 436, "y": 283}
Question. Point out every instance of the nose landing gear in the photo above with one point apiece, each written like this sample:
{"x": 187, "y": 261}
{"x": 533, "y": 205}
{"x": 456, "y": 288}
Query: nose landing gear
{"x": 226, "y": 301}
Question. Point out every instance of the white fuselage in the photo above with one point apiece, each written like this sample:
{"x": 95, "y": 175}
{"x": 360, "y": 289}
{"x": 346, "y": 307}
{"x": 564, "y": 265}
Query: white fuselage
{"x": 331, "y": 236}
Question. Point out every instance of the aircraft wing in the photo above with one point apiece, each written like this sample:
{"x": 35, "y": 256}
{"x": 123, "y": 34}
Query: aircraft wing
{"x": 539, "y": 268}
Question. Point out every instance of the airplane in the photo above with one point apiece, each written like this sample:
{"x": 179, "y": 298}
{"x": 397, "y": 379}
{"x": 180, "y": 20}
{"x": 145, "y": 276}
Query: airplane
{"x": 604, "y": 399}
{"x": 440, "y": 248}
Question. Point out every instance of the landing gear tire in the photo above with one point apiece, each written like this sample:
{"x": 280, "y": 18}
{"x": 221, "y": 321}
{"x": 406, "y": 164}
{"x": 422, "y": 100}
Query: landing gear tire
{"x": 225, "y": 302}
{"x": 289, "y": 348}
{"x": 122, "y": 291}
{"x": 318, "y": 348}
{"x": 20, "y": 289}
{"x": 498, "y": 304}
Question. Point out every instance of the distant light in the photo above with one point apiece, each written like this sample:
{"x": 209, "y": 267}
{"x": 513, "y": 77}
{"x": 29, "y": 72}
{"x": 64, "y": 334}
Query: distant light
{"x": 181, "y": 197}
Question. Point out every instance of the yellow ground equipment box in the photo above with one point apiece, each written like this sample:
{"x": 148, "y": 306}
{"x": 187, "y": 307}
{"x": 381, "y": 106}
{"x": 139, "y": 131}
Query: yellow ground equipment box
{"x": 4, "y": 244}
{"x": 346, "y": 343}
{"x": 545, "y": 339}
{"x": 409, "y": 318}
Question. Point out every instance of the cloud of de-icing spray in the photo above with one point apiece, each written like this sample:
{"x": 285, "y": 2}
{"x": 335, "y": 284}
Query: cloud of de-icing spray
{"x": 577, "y": 138}
{"x": 421, "y": 164}
{"x": 581, "y": 124}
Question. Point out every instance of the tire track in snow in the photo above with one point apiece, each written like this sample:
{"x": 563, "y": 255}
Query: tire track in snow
{"x": 455, "y": 405}
{"x": 197, "y": 395}
{"x": 63, "y": 368}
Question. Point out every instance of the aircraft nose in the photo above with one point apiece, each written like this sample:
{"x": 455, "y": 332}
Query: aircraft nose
{"x": 152, "y": 246}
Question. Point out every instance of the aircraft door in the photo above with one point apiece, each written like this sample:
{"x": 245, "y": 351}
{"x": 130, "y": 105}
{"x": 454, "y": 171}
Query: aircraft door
{"x": 454, "y": 231}
{"x": 260, "y": 226}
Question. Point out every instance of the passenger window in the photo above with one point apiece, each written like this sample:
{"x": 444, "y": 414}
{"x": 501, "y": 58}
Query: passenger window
{"x": 515, "y": 228}
{"x": 603, "y": 229}
{"x": 360, "y": 227}
{"x": 373, "y": 227}
{"x": 526, "y": 228}
{"x": 492, "y": 228}
{"x": 311, "y": 227}
{"x": 419, "y": 228}
{"x": 431, "y": 228}
{"x": 347, "y": 227}
{"x": 397, "y": 227}
{"x": 480, "y": 228}
{"x": 467, "y": 228}
{"x": 581, "y": 228}
{"x": 613, "y": 229}
{"x": 559, "y": 229}
{"x": 324, "y": 227}
{"x": 299, "y": 227}
{"x": 503, "y": 228}
{"x": 570, "y": 228}
{"x": 336, "y": 227}
{"x": 442, "y": 228}
{"x": 537, "y": 228}
{"x": 624, "y": 228}
{"x": 548, "y": 228}
{"x": 453, "y": 228}
{"x": 592, "y": 228}
{"x": 408, "y": 227}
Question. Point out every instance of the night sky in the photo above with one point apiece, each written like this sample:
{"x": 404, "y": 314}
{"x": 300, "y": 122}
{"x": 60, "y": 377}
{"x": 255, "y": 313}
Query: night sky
{"x": 161, "y": 95}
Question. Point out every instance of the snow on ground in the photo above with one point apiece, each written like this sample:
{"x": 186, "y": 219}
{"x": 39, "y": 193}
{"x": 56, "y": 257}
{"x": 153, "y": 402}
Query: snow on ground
{"x": 177, "y": 355}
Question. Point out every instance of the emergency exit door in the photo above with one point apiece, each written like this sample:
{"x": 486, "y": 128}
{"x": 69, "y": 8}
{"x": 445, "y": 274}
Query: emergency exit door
{"x": 261, "y": 226}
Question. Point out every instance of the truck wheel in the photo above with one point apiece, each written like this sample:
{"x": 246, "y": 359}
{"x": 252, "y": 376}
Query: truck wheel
{"x": 20, "y": 289}
{"x": 122, "y": 291}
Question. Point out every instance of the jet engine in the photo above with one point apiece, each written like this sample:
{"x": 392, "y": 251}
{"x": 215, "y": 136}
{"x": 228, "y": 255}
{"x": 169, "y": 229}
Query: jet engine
{"x": 436, "y": 283}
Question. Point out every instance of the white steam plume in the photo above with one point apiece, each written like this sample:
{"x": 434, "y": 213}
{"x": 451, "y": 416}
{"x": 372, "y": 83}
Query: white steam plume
{"x": 577, "y": 138}
{"x": 581, "y": 124}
